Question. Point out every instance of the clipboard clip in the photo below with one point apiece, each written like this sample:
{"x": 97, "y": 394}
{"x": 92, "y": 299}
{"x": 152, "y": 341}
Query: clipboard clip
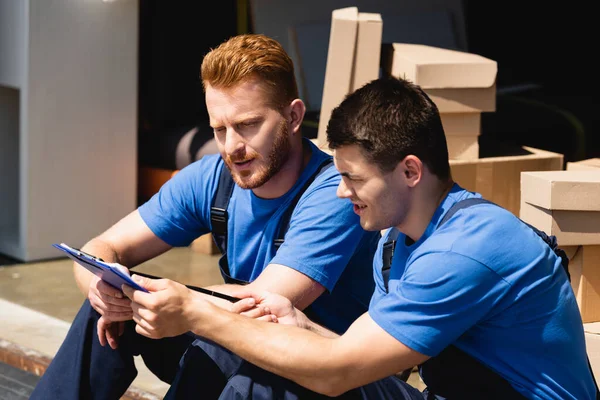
{"x": 82, "y": 253}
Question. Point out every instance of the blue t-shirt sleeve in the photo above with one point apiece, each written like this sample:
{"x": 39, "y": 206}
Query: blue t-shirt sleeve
{"x": 180, "y": 211}
{"x": 439, "y": 297}
{"x": 324, "y": 232}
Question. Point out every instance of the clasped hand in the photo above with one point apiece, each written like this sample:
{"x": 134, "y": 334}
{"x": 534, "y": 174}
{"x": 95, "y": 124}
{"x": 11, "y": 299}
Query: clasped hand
{"x": 171, "y": 309}
{"x": 113, "y": 307}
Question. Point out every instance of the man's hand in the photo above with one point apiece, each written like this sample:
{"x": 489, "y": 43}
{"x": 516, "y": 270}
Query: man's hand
{"x": 268, "y": 307}
{"x": 109, "y": 332}
{"x": 109, "y": 301}
{"x": 164, "y": 312}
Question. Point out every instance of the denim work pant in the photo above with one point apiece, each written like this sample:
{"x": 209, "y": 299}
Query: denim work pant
{"x": 243, "y": 380}
{"x": 82, "y": 369}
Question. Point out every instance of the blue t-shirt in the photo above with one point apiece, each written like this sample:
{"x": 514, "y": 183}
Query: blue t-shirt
{"x": 324, "y": 241}
{"x": 486, "y": 283}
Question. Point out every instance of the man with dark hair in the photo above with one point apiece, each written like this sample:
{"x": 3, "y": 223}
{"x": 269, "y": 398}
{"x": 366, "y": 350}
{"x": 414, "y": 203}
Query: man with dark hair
{"x": 269, "y": 198}
{"x": 466, "y": 290}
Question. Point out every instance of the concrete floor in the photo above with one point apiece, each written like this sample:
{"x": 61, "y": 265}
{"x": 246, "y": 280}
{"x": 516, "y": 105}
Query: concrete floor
{"x": 38, "y": 301}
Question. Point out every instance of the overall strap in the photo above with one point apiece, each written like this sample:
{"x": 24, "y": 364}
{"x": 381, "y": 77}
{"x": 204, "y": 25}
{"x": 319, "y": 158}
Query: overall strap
{"x": 550, "y": 240}
{"x": 466, "y": 203}
{"x": 388, "y": 254}
{"x": 390, "y": 245}
{"x": 284, "y": 224}
{"x": 218, "y": 210}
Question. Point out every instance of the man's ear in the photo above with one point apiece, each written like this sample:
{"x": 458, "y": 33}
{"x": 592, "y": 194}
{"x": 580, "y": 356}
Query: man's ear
{"x": 412, "y": 168}
{"x": 297, "y": 109}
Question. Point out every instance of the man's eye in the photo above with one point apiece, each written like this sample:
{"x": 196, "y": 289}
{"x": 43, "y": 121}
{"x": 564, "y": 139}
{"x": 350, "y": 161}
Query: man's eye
{"x": 218, "y": 130}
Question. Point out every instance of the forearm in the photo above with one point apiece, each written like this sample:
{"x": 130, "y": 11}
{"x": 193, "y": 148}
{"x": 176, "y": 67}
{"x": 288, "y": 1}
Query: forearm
{"x": 318, "y": 329}
{"x": 99, "y": 249}
{"x": 226, "y": 288}
{"x": 297, "y": 354}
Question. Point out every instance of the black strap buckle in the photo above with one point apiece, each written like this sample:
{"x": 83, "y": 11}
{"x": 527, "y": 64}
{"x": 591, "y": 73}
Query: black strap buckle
{"x": 218, "y": 218}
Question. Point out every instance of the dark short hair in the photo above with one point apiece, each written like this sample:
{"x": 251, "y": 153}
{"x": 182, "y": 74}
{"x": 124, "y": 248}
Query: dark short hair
{"x": 389, "y": 119}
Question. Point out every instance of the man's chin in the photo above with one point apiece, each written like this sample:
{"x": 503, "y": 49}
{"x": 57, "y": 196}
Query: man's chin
{"x": 247, "y": 182}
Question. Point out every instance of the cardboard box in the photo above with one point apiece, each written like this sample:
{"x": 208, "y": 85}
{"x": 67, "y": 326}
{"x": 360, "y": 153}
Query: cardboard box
{"x": 457, "y": 82}
{"x": 438, "y": 68}
{"x": 461, "y": 124}
{"x": 562, "y": 190}
{"x": 592, "y": 164}
{"x": 584, "y": 267}
{"x": 592, "y": 342}
{"x": 563, "y": 203}
{"x": 498, "y": 178}
{"x": 464, "y": 100}
{"x": 463, "y": 147}
{"x": 339, "y": 68}
{"x": 571, "y": 228}
{"x": 368, "y": 50}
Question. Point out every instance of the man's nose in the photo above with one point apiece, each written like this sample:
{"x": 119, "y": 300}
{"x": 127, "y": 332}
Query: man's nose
{"x": 343, "y": 191}
{"x": 233, "y": 142}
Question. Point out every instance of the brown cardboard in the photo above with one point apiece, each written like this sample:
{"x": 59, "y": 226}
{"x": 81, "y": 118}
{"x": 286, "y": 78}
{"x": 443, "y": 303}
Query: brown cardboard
{"x": 592, "y": 343}
{"x": 463, "y": 147}
{"x": 323, "y": 147}
{"x": 436, "y": 68}
{"x": 498, "y": 178}
{"x": 461, "y": 124}
{"x": 368, "y": 49}
{"x": 591, "y": 164}
{"x": 562, "y": 190}
{"x": 340, "y": 61}
{"x": 571, "y": 228}
{"x": 584, "y": 267}
{"x": 464, "y": 100}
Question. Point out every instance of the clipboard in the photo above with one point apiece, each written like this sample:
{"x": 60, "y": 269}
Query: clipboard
{"x": 108, "y": 273}
{"x": 114, "y": 277}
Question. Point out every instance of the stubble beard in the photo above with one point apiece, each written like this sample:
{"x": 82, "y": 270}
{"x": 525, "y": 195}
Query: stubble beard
{"x": 277, "y": 157}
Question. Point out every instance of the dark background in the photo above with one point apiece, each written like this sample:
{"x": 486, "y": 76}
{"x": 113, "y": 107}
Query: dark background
{"x": 547, "y": 73}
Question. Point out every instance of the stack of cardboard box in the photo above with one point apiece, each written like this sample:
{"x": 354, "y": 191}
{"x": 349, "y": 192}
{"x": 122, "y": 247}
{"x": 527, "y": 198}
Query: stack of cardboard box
{"x": 566, "y": 204}
{"x": 353, "y": 59}
{"x": 462, "y": 85}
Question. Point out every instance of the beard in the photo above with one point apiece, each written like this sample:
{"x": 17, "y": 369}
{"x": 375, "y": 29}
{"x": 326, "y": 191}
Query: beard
{"x": 263, "y": 171}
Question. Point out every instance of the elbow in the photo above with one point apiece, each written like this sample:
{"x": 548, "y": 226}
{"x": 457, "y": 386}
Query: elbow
{"x": 332, "y": 386}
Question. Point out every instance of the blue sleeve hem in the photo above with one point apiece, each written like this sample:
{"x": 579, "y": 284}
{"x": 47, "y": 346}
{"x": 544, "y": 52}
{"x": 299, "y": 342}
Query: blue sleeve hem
{"x": 391, "y": 329}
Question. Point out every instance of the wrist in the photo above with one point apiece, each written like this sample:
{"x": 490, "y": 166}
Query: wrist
{"x": 302, "y": 321}
{"x": 202, "y": 315}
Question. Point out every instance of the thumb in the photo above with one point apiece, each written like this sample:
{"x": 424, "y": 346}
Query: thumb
{"x": 150, "y": 284}
{"x": 243, "y": 292}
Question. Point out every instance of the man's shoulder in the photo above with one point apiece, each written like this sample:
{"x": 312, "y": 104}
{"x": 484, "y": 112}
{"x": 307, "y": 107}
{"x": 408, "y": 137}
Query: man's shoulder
{"x": 487, "y": 233}
{"x": 198, "y": 179}
{"x": 207, "y": 161}
{"x": 207, "y": 168}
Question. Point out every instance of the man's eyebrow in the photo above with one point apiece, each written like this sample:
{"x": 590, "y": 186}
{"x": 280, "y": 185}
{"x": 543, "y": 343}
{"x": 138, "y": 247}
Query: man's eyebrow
{"x": 249, "y": 118}
{"x": 243, "y": 119}
{"x": 348, "y": 175}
